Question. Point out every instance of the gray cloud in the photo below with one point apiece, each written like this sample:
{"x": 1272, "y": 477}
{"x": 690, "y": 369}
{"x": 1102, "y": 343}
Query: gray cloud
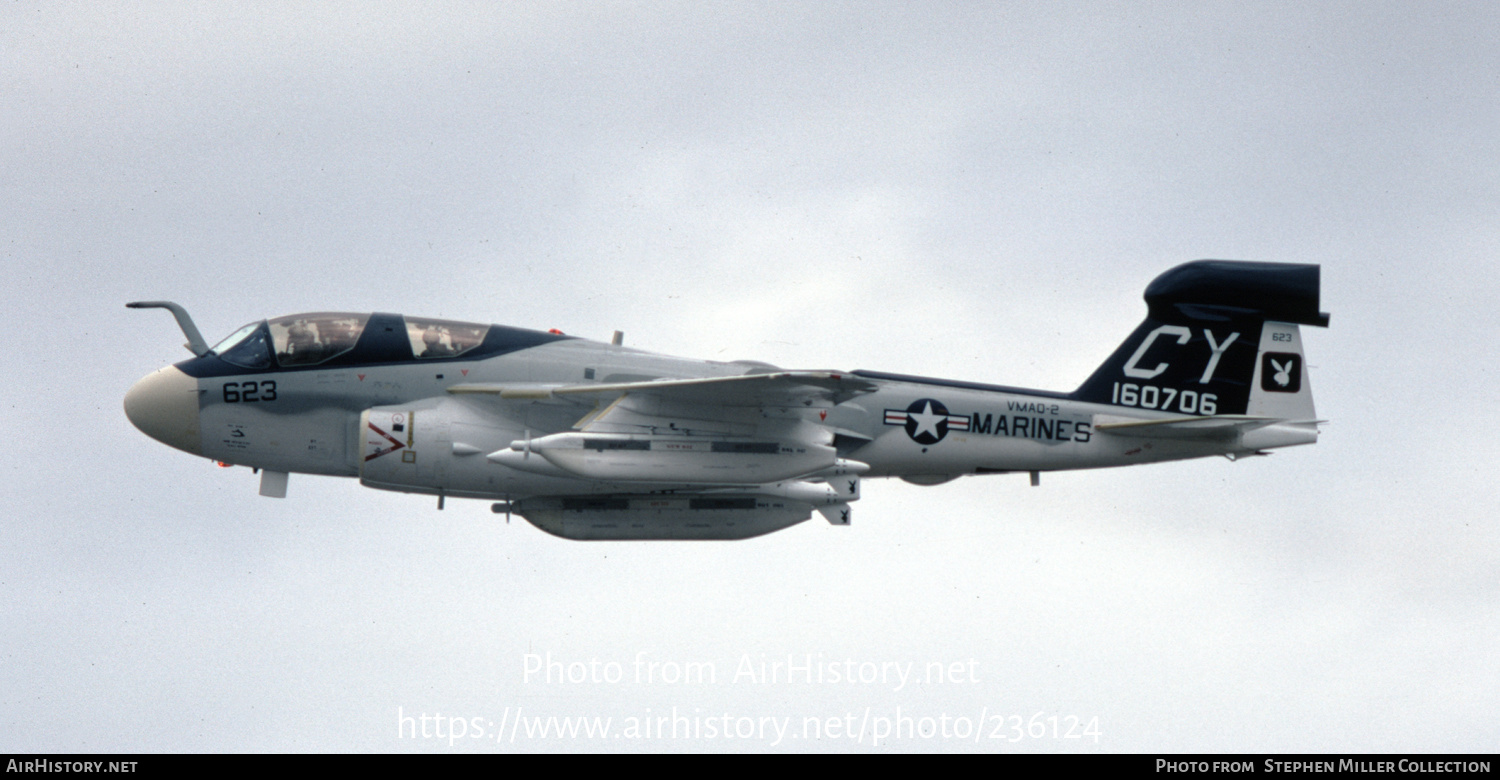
{"x": 975, "y": 192}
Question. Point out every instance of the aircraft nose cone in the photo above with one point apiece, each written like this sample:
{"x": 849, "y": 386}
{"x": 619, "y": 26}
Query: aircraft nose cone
{"x": 164, "y": 405}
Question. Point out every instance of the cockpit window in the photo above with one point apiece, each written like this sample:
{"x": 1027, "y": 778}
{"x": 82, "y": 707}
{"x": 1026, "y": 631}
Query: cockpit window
{"x": 308, "y": 339}
{"x": 235, "y": 338}
{"x": 248, "y": 347}
{"x": 443, "y": 338}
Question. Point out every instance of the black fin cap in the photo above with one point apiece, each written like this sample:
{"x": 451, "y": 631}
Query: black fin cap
{"x": 1202, "y": 289}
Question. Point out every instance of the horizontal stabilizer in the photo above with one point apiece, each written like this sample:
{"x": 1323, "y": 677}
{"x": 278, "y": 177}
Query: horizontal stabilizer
{"x": 1252, "y": 433}
{"x": 1213, "y": 428}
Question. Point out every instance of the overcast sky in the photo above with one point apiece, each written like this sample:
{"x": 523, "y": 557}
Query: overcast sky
{"x": 975, "y": 191}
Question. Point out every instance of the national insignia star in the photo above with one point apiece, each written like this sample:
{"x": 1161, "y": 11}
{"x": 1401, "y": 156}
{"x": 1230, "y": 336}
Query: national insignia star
{"x": 927, "y": 421}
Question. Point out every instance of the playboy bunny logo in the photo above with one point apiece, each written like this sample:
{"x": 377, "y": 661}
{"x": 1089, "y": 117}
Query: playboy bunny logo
{"x": 1283, "y": 375}
{"x": 1281, "y": 372}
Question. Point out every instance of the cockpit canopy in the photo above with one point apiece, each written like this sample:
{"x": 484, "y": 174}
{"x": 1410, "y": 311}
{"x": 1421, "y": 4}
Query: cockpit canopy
{"x": 310, "y": 339}
{"x": 443, "y": 338}
{"x": 313, "y": 339}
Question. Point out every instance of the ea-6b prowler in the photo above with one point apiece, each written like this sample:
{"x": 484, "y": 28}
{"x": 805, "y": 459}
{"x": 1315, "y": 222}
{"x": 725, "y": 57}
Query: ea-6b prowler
{"x": 588, "y": 440}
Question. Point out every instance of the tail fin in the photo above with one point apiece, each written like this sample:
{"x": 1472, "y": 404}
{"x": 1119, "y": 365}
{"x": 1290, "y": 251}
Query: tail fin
{"x": 1220, "y": 337}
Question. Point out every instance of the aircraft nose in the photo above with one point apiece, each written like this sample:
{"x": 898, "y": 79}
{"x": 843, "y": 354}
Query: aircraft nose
{"x": 164, "y": 405}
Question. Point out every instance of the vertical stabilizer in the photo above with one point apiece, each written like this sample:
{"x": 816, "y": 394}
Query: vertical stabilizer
{"x": 1220, "y": 337}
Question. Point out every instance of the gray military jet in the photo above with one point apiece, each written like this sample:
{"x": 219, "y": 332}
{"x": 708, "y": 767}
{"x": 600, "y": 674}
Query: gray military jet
{"x": 588, "y": 440}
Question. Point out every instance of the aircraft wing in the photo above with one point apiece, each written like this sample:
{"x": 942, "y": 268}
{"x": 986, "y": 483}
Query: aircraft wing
{"x": 776, "y": 388}
{"x": 747, "y": 451}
